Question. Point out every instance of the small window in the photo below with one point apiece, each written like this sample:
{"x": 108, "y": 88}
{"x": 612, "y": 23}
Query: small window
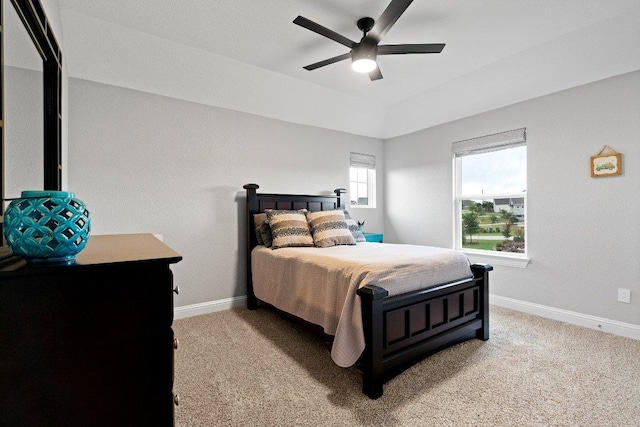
{"x": 491, "y": 190}
{"x": 362, "y": 180}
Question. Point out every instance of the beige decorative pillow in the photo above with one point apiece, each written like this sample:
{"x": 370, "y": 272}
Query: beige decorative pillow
{"x": 289, "y": 228}
{"x": 329, "y": 228}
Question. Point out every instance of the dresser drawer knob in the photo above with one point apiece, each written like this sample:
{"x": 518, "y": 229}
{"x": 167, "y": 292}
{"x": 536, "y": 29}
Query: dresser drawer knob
{"x": 175, "y": 343}
{"x": 176, "y": 400}
{"x": 177, "y": 290}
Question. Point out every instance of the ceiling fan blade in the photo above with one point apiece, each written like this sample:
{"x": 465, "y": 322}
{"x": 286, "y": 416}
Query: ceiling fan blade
{"x": 387, "y": 19}
{"x": 317, "y": 28}
{"x": 400, "y": 49}
{"x": 375, "y": 74}
{"x": 327, "y": 61}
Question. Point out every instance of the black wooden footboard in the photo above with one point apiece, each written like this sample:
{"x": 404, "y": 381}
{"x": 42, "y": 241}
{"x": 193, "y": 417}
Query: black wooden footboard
{"x": 404, "y": 328}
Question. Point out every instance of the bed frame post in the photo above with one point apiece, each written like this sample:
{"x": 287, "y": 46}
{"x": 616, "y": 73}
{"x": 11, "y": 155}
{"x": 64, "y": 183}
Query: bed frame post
{"x": 481, "y": 272}
{"x": 252, "y": 207}
{"x": 339, "y": 191}
{"x": 373, "y": 369}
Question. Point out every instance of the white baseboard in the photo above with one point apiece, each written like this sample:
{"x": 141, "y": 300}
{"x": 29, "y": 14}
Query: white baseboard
{"x": 628, "y": 330}
{"x": 208, "y": 307}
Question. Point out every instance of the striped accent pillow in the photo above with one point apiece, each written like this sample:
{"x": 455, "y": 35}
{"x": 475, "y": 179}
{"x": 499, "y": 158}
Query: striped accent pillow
{"x": 329, "y": 229}
{"x": 289, "y": 228}
{"x": 353, "y": 227}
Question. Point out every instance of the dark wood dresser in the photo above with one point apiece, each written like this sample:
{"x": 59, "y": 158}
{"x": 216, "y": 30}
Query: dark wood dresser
{"x": 89, "y": 344}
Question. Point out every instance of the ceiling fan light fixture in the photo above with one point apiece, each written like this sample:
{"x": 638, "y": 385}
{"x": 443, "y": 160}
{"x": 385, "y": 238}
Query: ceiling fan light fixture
{"x": 363, "y": 65}
{"x": 363, "y": 58}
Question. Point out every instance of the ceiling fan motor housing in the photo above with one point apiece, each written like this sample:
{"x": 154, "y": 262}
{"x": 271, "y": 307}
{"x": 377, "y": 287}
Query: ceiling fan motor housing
{"x": 364, "y": 49}
{"x": 363, "y": 56}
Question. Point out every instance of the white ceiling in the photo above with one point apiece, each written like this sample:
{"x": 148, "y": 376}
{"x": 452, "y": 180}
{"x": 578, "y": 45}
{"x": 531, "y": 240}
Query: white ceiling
{"x": 555, "y": 35}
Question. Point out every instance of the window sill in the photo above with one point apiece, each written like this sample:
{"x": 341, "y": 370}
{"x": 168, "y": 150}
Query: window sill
{"x": 516, "y": 261}
{"x": 361, "y": 207}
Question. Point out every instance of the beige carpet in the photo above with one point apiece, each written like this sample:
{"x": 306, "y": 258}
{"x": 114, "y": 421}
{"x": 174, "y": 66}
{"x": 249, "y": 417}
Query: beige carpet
{"x": 253, "y": 368}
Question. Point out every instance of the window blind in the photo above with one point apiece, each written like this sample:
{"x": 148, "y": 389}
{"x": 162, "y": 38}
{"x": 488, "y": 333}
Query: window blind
{"x": 488, "y": 143}
{"x": 359, "y": 160}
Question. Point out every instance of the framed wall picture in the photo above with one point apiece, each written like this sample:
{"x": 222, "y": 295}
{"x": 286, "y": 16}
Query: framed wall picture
{"x": 606, "y": 164}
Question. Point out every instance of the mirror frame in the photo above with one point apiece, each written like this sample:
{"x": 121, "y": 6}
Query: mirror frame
{"x": 35, "y": 21}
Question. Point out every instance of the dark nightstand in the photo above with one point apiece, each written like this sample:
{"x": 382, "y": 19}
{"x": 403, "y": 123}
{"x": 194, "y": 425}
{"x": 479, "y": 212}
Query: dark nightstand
{"x": 373, "y": 237}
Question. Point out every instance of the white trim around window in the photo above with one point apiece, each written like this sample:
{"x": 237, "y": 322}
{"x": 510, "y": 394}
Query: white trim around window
{"x": 480, "y": 145}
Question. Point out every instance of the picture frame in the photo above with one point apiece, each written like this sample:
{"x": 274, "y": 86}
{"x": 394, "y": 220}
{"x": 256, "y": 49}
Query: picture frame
{"x": 606, "y": 164}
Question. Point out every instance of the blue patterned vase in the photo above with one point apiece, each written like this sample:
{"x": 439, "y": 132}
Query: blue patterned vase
{"x": 49, "y": 226}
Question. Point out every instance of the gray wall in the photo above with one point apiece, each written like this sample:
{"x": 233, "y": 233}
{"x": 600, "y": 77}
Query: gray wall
{"x": 150, "y": 163}
{"x": 583, "y": 233}
{"x": 24, "y": 127}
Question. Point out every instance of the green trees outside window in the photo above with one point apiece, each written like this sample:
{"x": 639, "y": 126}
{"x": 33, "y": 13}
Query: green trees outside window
{"x": 485, "y": 229}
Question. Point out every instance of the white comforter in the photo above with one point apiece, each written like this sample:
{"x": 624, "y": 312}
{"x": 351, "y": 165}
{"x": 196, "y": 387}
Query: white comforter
{"x": 320, "y": 284}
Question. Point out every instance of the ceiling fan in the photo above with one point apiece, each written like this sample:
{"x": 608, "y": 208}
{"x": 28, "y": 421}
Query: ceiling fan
{"x": 364, "y": 53}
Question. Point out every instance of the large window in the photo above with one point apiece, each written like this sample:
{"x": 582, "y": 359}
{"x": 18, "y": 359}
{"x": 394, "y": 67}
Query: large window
{"x": 491, "y": 192}
{"x": 362, "y": 180}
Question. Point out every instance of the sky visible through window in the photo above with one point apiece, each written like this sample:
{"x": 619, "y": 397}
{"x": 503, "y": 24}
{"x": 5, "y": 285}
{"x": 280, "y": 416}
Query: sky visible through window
{"x": 496, "y": 172}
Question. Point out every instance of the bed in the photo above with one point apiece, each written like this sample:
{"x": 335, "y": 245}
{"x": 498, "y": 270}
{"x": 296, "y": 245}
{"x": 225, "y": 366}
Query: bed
{"x": 384, "y": 325}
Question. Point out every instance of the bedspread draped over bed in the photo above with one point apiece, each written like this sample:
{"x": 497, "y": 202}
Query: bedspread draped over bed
{"x": 320, "y": 284}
